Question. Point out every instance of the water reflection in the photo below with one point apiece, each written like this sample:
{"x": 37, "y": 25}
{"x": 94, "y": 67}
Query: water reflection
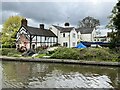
{"x": 42, "y": 75}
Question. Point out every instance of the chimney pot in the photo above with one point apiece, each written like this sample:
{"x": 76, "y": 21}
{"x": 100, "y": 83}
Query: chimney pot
{"x": 42, "y": 26}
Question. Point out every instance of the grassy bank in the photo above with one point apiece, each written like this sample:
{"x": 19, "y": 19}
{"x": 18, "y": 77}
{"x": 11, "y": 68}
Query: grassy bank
{"x": 98, "y": 54}
{"x": 10, "y": 52}
{"x": 93, "y": 54}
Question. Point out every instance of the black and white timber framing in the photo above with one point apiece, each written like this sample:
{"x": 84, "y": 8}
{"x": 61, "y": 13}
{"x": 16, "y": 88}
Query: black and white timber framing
{"x": 28, "y": 36}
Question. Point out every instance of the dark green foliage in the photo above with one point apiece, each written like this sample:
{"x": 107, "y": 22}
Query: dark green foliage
{"x": 89, "y": 22}
{"x": 114, "y": 24}
{"x": 66, "y": 53}
{"x": 9, "y": 52}
{"x": 100, "y": 54}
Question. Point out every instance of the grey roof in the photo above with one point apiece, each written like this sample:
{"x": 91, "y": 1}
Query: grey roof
{"x": 85, "y": 30}
{"x": 100, "y": 37}
{"x": 39, "y": 32}
{"x": 63, "y": 29}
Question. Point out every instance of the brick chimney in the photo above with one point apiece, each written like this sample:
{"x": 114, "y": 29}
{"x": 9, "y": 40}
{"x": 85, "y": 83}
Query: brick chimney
{"x": 24, "y": 22}
{"x": 42, "y": 26}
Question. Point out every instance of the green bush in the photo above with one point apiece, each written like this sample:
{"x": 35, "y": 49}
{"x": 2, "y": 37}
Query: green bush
{"x": 66, "y": 53}
{"x": 10, "y": 52}
{"x": 101, "y": 54}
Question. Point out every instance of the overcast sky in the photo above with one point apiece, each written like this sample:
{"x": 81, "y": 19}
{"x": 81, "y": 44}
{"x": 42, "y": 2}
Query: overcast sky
{"x": 58, "y": 12}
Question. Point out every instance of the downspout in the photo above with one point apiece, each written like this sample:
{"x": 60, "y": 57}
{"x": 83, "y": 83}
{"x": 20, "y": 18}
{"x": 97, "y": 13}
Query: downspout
{"x": 36, "y": 41}
{"x": 57, "y": 39}
{"x": 57, "y": 36}
{"x": 69, "y": 39}
{"x": 30, "y": 41}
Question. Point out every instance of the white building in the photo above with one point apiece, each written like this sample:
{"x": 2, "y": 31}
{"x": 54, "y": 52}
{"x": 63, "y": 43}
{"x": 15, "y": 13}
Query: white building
{"x": 32, "y": 37}
{"x": 67, "y": 36}
{"x": 70, "y": 36}
{"x": 102, "y": 39}
{"x": 86, "y": 34}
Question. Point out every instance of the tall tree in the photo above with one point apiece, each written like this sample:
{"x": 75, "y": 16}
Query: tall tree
{"x": 10, "y": 27}
{"x": 89, "y": 22}
{"x": 114, "y": 24}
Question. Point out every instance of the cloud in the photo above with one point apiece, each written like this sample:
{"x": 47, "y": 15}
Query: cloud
{"x": 58, "y": 12}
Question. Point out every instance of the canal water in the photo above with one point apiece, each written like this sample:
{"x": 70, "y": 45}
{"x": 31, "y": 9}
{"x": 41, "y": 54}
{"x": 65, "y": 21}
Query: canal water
{"x": 49, "y": 75}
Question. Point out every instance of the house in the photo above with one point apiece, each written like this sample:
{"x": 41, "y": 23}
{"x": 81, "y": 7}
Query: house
{"x": 67, "y": 36}
{"x": 86, "y": 34}
{"x": 101, "y": 39}
{"x": 32, "y": 37}
{"x": 71, "y": 36}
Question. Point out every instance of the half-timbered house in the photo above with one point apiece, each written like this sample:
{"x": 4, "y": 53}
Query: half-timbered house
{"x": 32, "y": 37}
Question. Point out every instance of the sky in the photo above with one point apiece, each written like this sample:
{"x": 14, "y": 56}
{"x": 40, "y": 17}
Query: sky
{"x": 57, "y": 12}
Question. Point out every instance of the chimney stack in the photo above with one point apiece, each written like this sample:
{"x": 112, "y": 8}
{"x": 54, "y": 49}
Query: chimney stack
{"x": 24, "y": 22}
{"x": 67, "y": 24}
{"x": 42, "y": 26}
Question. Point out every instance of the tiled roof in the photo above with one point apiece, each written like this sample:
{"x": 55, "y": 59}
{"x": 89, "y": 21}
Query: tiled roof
{"x": 85, "y": 30}
{"x": 68, "y": 29}
{"x": 63, "y": 29}
{"x": 40, "y": 32}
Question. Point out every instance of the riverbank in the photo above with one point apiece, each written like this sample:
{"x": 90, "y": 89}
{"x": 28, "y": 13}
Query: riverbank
{"x": 87, "y": 54}
{"x": 64, "y": 61}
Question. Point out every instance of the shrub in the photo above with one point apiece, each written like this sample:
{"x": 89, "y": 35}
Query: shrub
{"x": 9, "y": 52}
{"x": 101, "y": 54}
{"x": 66, "y": 53}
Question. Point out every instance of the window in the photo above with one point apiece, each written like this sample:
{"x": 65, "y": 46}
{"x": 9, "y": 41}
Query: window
{"x": 78, "y": 36}
{"x": 73, "y": 35}
{"x": 97, "y": 39}
{"x": 65, "y": 44}
{"x": 63, "y": 34}
{"x": 73, "y": 44}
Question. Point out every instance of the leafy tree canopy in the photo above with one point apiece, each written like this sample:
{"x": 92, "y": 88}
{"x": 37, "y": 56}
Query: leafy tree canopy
{"x": 10, "y": 27}
{"x": 114, "y": 24}
{"x": 89, "y": 22}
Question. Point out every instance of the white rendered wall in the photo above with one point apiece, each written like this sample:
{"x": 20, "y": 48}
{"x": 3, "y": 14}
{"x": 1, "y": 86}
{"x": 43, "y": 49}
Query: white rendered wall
{"x": 73, "y": 39}
{"x": 57, "y": 33}
{"x": 86, "y": 37}
{"x": 69, "y": 38}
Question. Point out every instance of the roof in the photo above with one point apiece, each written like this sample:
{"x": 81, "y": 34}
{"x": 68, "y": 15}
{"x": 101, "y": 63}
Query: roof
{"x": 100, "y": 37}
{"x": 63, "y": 29}
{"x": 39, "y": 32}
{"x": 85, "y": 30}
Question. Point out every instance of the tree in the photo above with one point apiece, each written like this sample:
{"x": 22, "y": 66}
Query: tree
{"x": 89, "y": 22}
{"x": 114, "y": 24}
{"x": 9, "y": 30}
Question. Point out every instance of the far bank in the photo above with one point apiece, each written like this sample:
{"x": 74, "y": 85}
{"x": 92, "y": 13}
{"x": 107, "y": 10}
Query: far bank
{"x": 63, "y": 61}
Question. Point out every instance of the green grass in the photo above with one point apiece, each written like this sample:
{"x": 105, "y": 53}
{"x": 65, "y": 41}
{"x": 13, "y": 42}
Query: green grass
{"x": 40, "y": 55}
